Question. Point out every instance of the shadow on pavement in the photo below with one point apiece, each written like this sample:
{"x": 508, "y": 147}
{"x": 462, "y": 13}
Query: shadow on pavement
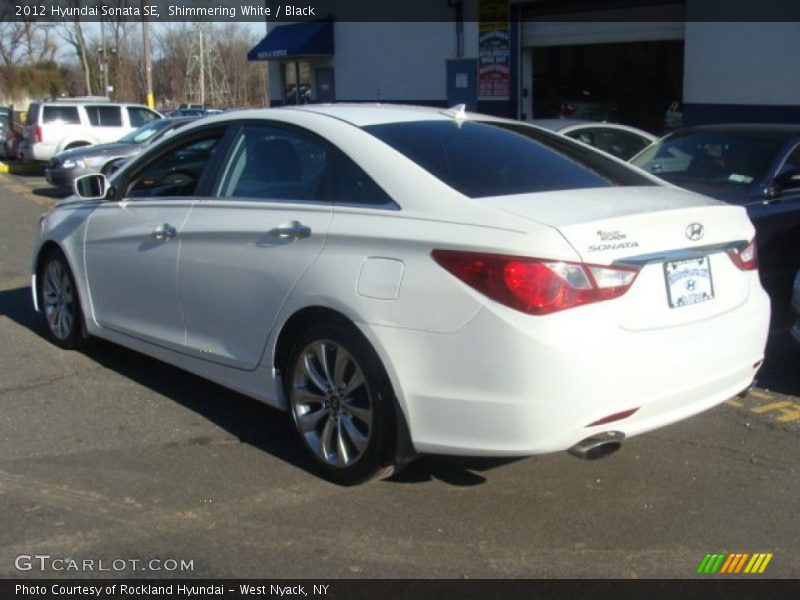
{"x": 50, "y": 192}
{"x": 250, "y": 421}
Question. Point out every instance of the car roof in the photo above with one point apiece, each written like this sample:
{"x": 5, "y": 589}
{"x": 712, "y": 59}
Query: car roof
{"x": 559, "y": 124}
{"x": 365, "y": 114}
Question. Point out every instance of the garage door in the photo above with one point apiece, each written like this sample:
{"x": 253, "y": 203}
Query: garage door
{"x": 641, "y": 24}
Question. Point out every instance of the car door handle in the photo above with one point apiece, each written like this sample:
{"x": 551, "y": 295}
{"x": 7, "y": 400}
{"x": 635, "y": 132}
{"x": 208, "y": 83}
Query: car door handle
{"x": 294, "y": 230}
{"x": 164, "y": 232}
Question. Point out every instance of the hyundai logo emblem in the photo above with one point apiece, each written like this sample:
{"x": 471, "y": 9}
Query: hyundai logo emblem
{"x": 695, "y": 231}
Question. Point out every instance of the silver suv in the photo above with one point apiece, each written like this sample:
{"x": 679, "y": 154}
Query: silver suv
{"x": 57, "y": 125}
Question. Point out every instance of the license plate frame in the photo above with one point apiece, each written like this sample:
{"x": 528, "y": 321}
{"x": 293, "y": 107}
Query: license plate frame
{"x": 688, "y": 281}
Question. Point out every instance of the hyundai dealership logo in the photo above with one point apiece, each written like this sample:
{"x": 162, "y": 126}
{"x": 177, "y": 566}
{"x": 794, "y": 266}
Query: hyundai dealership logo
{"x": 695, "y": 231}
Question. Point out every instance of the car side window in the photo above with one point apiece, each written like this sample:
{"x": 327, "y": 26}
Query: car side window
{"x": 139, "y": 116}
{"x": 275, "y": 163}
{"x": 792, "y": 163}
{"x": 67, "y": 115}
{"x": 104, "y": 116}
{"x": 175, "y": 173}
{"x": 353, "y": 187}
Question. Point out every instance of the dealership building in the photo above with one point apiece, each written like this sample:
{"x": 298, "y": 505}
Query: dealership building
{"x": 534, "y": 59}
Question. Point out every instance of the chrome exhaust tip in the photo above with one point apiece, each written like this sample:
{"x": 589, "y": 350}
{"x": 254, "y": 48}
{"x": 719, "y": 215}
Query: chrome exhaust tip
{"x": 599, "y": 445}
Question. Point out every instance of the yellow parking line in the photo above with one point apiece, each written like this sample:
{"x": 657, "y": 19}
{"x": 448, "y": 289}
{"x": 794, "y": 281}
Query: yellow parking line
{"x": 769, "y": 407}
{"x": 791, "y": 413}
{"x": 760, "y": 394}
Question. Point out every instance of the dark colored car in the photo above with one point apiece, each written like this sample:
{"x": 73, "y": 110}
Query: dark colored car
{"x": 64, "y": 168}
{"x": 186, "y": 112}
{"x": 755, "y": 166}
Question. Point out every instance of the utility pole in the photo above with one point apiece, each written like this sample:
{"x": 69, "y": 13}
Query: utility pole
{"x": 104, "y": 60}
{"x": 148, "y": 65}
{"x": 202, "y": 69}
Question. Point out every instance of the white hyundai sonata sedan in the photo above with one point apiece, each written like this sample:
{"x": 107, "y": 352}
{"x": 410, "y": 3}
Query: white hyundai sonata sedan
{"x": 404, "y": 280}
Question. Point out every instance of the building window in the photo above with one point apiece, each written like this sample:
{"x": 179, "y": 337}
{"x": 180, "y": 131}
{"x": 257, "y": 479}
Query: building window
{"x": 296, "y": 82}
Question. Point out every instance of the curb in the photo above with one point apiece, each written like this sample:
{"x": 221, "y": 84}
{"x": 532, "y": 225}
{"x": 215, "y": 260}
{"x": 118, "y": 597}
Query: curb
{"x": 20, "y": 168}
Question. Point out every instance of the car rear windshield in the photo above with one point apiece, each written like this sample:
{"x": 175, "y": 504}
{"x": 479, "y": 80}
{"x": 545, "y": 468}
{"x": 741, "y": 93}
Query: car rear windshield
{"x": 482, "y": 158}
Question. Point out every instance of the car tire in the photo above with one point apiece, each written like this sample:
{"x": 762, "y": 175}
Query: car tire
{"x": 341, "y": 404}
{"x": 59, "y": 302}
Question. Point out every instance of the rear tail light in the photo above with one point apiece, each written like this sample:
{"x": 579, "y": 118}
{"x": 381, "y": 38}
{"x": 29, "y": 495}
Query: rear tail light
{"x": 536, "y": 286}
{"x": 567, "y": 109}
{"x": 745, "y": 258}
{"x": 39, "y": 133}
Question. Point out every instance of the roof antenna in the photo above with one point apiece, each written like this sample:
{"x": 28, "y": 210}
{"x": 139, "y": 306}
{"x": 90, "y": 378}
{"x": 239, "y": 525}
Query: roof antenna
{"x": 458, "y": 112}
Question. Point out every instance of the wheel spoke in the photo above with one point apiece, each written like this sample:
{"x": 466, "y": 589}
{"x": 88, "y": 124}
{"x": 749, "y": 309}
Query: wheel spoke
{"x": 53, "y": 276}
{"x": 353, "y": 434}
{"x": 356, "y": 381}
{"x": 321, "y": 350}
{"x": 309, "y": 421}
{"x": 326, "y": 439}
{"x": 362, "y": 414}
{"x": 66, "y": 321}
{"x": 311, "y": 372}
{"x": 305, "y": 396}
{"x": 342, "y": 454}
{"x": 341, "y": 363}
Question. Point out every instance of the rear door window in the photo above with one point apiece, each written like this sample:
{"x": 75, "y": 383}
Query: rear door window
{"x": 104, "y": 116}
{"x": 60, "y": 114}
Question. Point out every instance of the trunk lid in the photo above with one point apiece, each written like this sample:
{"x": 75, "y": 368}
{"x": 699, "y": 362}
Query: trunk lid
{"x": 677, "y": 238}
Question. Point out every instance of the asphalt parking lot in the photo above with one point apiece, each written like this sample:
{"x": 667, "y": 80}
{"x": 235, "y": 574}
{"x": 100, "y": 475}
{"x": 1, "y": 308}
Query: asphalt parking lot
{"x": 107, "y": 455}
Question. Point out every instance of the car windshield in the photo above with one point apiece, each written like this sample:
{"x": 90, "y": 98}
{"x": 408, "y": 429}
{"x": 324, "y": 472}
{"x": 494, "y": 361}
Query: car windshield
{"x": 482, "y": 158}
{"x": 145, "y": 132}
{"x": 736, "y": 158}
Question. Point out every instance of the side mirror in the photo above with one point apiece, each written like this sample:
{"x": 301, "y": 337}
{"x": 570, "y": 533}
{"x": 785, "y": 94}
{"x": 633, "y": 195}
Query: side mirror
{"x": 789, "y": 179}
{"x": 91, "y": 187}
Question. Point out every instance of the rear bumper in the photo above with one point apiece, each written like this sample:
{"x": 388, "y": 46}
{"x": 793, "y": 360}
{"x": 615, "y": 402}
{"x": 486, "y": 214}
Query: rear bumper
{"x": 510, "y": 384}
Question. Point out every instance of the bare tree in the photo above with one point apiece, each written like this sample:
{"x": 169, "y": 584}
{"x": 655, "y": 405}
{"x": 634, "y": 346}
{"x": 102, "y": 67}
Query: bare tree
{"x": 26, "y": 43}
{"x": 72, "y": 33}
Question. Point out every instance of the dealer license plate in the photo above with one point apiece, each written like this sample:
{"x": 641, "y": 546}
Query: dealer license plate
{"x": 688, "y": 281}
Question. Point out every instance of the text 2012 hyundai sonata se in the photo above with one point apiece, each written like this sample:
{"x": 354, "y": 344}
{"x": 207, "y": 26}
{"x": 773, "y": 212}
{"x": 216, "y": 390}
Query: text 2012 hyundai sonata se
{"x": 405, "y": 280}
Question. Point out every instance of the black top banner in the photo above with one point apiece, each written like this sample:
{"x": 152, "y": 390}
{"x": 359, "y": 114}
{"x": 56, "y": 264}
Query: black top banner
{"x": 59, "y": 11}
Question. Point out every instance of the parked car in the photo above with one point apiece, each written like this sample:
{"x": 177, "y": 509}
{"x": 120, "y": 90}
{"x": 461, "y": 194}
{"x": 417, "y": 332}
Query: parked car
{"x": 755, "y": 166}
{"x": 186, "y": 112}
{"x": 64, "y": 168}
{"x": 57, "y": 125}
{"x": 570, "y": 99}
{"x": 11, "y": 144}
{"x": 405, "y": 280}
{"x": 621, "y": 141}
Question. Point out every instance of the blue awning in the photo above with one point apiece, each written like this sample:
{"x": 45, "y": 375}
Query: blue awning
{"x": 313, "y": 38}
